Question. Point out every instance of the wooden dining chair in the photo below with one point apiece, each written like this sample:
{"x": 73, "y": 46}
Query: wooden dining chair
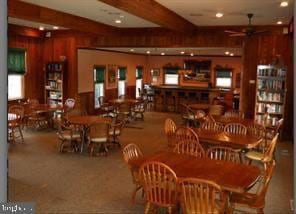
{"x": 139, "y": 109}
{"x": 192, "y": 148}
{"x": 98, "y": 135}
{"x": 212, "y": 126}
{"x": 258, "y": 131}
{"x": 201, "y": 196}
{"x": 160, "y": 185}
{"x": 68, "y": 133}
{"x": 132, "y": 152}
{"x": 216, "y": 110}
{"x": 265, "y": 156}
{"x": 255, "y": 201}
{"x": 15, "y": 126}
{"x": 223, "y": 153}
{"x": 116, "y": 128}
{"x": 169, "y": 130}
{"x": 234, "y": 113}
{"x": 235, "y": 129}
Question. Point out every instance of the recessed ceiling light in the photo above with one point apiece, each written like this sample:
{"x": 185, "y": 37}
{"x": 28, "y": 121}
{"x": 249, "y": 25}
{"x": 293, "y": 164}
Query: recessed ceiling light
{"x": 147, "y": 52}
{"x": 182, "y": 52}
{"x": 284, "y": 4}
{"x": 191, "y": 54}
{"x": 162, "y": 54}
{"x": 226, "y": 52}
{"x": 41, "y": 28}
{"x": 219, "y": 15}
{"x": 121, "y": 16}
{"x": 231, "y": 54}
{"x": 132, "y": 50}
{"x": 55, "y": 27}
{"x": 118, "y": 21}
{"x": 279, "y": 22}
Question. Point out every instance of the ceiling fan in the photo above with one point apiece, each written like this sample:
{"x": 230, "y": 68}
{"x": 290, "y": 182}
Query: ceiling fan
{"x": 248, "y": 31}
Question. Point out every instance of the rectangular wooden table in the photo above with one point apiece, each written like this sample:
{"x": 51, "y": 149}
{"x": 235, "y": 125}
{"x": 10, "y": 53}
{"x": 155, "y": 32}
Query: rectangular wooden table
{"x": 223, "y": 139}
{"x": 230, "y": 176}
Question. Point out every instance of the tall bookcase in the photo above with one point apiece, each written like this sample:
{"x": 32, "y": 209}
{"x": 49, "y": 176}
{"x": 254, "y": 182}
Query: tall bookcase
{"x": 54, "y": 82}
{"x": 270, "y": 94}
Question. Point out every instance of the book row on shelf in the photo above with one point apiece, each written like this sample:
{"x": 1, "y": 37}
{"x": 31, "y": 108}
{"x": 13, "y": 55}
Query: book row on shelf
{"x": 272, "y": 72}
{"x": 271, "y": 84}
{"x": 55, "y": 95}
{"x": 54, "y": 102}
{"x": 54, "y": 67}
{"x": 263, "y": 96}
{"x": 270, "y": 108}
{"x": 267, "y": 120}
{"x": 54, "y": 85}
{"x": 54, "y": 76}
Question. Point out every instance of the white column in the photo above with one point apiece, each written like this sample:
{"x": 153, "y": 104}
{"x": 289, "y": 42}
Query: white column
{"x": 3, "y": 100}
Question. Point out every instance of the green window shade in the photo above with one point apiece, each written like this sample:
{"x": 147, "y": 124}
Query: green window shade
{"x": 223, "y": 74}
{"x": 139, "y": 73}
{"x": 122, "y": 73}
{"x": 100, "y": 77}
{"x": 171, "y": 71}
{"x": 16, "y": 61}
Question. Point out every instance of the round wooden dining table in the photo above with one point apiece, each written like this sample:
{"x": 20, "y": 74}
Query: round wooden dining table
{"x": 85, "y": 121}
{"x": 120, "y": 101}
{"x": 199, "y": 106}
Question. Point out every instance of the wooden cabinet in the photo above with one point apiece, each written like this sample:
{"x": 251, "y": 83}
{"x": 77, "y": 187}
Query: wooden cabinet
{"x": 54, "y": 82}
{"x": 270, "y": 94}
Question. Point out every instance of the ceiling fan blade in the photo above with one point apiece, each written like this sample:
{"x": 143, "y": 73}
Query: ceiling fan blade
{"x": 237, "y": 34}
{"x": 260, "y": 31}
{"x": 231, "y": 31}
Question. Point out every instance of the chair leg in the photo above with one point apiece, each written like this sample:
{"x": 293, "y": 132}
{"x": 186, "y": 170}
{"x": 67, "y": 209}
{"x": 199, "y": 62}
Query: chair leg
{"x": 147, "y": 208}
{"x": 135, "y": 192}
{"x": 170, "y": 210}
{"x": 21, "y": 133}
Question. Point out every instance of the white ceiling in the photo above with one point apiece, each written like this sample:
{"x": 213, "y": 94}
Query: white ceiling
{"x": 203, "y": 51}
{"x": 202, "y": 12}
{"x": 94, "y": 10}
{"x": 199, "y": 12}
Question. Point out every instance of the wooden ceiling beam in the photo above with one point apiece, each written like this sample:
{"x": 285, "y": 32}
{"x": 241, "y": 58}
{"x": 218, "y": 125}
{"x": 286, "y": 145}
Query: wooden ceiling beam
{"x": 152, "y": 11}
{"x": 31, "y": 12}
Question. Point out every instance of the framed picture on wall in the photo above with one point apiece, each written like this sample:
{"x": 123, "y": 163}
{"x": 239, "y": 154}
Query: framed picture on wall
{"x": 155, "y": 72}
{"x": 111, "y": 75}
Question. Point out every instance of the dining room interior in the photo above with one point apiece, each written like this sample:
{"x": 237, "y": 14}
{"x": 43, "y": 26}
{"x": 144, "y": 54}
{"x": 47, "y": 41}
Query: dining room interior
{"x": 153, "y": 106}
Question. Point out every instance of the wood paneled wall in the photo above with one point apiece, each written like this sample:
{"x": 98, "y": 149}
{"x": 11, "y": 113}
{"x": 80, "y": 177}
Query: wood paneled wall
{"x": 264, "y": 50}
{"x": 34, "y": 77}
{"x": 257, "y": 50}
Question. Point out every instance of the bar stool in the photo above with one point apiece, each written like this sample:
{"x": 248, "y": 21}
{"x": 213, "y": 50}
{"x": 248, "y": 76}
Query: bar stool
{"x": 169, "y": 101}
{"x": 192, "y": 98}
{"x": 180, "y": 98}
{"x": 158, "y": 100}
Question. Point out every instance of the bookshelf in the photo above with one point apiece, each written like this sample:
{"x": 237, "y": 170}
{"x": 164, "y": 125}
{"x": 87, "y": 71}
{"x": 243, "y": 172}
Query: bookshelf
{"x": 270, "y": 94}
{"x": 54, "y": 82}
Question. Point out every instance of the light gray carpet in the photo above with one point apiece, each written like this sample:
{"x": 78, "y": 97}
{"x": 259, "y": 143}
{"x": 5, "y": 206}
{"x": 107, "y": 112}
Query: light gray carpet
{"x": 77, "y": 183}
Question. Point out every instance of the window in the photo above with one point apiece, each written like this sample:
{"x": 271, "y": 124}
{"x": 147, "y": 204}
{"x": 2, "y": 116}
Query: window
{"x": 121, "y": 80}
{"x": 223, "y": 78}
{"x": 139, "y": 80}
{"x": 16, "y": 65}
{"x": 15, "y": 87}
{"x": 171, "y": 77}
{"x": 99, "y": 79}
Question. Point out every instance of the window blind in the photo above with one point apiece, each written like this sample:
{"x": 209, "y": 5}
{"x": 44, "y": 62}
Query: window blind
{"x": 99, "y": 74}
{"x": 223, "y": 74}
{"x": 122, "y": 73}
{"x": 139, "y": 73}
{"x": 16, "y": 61}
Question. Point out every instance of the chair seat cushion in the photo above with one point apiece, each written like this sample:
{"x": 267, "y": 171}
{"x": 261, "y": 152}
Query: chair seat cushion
{"x": 67, "y": 135}
{"x": 246, "y": 199}
{"x": 255, "y": 155}
{"x": 99, "y": 140}
{"x": 116, "y": 132}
